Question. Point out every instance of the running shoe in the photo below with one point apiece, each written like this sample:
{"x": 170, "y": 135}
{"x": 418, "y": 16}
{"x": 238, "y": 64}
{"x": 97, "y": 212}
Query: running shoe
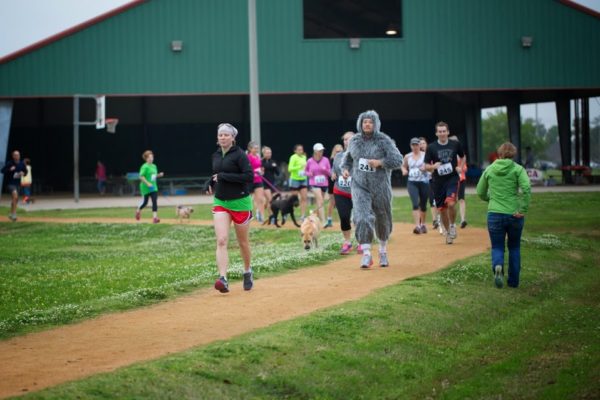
{"x": 12, "y": 217}
{"x": 248, "y": 280}
{"x": 329, "y": 223}
{"x": 138, "y": 215}
{"x": 366, "y": 261}
{"x": 498, "y": 276}
{"x": 346, "y": 249}
{"x": 259, "y": 217}
{"x": 222, "y": 285}
{"x": 423, "y": 229}
{"x": 435, "y": 224}
{"x": 359, "y": 249}
{"x": 452, "y": 231}
{"x": 449, "y": 239}
{"x": 463, "y": 225}
{"x": 383, "y": 260}
{"x": 417, "y": 230}
{"x": 155, "y": 220}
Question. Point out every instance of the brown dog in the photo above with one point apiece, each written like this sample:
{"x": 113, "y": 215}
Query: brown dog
{"x": 310, "y": 228}
{"x": 183, "y": 212}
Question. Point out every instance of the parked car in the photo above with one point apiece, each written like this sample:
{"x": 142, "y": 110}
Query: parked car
{"x": 546, "y": 164}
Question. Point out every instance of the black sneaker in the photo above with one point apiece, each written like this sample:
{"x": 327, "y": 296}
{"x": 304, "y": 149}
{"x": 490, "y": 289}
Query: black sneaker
{"x": 423, "y": 229}
{"x": 248, "y": 280}
{"x": 417, "y": 230}
{"x": 463, "y": 225}
{"x": 222, "y": 285}
{"x": 436, "y": 224}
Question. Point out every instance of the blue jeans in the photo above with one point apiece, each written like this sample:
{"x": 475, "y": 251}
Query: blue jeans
{"x": 506, "y": 229}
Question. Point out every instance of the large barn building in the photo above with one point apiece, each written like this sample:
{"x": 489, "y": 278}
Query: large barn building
{"x": 171, "y": 70}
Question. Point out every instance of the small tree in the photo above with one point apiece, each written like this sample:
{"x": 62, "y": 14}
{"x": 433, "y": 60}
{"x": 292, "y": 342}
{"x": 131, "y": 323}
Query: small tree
{"x": 494, "y": 128}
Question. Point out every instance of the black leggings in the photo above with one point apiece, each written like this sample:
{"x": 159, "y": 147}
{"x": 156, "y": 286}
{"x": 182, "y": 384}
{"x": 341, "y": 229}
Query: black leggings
{"x": 154, "y": 197}
{"x": 418, "y": 192}
{"x": 344, "y": 208}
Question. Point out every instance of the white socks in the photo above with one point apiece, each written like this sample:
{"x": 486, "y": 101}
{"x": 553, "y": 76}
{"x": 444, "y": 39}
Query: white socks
{"x": 383, "y": 246}
{"x": 366, "y": 248}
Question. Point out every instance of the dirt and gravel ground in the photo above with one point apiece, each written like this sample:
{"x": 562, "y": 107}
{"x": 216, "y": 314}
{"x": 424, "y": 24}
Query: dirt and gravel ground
{"x": 39, "y": 360}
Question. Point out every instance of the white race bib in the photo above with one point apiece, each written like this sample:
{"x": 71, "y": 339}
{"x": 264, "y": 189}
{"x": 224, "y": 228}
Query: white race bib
{"x": 153, "y": 177}
{"x": 445, "y": 169}
{"x": 344, "y": 183}
{"x": 301, "y": 173}
{"x": 414, "y": 173}
{"x": 320, "y": 179}
{"x": 363, "y": 165}
{"x": 16, "y": 175}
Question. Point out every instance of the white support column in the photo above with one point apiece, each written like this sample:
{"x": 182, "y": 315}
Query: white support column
{"x": 253, "y": 69}
{"x": 6, "y": 107}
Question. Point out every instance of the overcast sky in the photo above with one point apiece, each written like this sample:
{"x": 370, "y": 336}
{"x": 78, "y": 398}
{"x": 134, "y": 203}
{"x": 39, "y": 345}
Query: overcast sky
{"x": 25, "y": 22}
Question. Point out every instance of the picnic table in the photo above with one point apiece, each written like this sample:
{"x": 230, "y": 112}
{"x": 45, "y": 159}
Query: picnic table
{"x": 581, "y": 172}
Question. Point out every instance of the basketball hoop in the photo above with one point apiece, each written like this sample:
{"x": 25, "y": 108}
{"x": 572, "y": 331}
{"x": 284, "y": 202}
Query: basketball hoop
{"x": 111, "y": 124}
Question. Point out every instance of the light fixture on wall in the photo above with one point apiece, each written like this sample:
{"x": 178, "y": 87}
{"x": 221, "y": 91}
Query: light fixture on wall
{"x": 526, "y": 41}
{"x": 392, "y": 30}
{"x": 177, "y": 46}
{"x": 355, "y": 43}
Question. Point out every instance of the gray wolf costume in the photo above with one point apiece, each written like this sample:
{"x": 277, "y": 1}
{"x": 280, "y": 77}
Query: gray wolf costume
{"x": 371, "y": 187}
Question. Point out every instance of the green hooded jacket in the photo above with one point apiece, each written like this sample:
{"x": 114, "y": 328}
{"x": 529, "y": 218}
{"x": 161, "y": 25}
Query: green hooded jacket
{"x": 499, "y": 185}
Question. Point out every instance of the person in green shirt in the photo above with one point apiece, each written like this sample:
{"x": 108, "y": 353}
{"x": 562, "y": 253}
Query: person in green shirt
{"x": 298, "y": 181}
{"x": 148, "y": 186}
{"x": 499, "y": 185}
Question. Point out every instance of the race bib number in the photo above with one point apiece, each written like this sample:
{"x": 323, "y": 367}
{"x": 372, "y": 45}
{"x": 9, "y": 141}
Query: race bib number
{"x": 320, "y": 179}
{"x": 16, "y": 175}
{"x": 363, "y": 165}
{"x": 344, "y": 183}
{"x": 153, "y": 177}
{"x": 414, "y": 173}
{"x": 301, "y": 173}
{"x": 445, "y": 169}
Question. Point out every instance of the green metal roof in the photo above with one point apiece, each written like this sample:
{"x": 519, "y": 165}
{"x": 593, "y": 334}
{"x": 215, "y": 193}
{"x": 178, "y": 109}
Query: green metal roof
{"x": 446, "y": 45}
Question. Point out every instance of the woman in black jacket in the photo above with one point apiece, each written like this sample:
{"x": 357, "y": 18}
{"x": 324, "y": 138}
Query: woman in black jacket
{"x": 271, "y": 171}
{"x": 230, "y": 182}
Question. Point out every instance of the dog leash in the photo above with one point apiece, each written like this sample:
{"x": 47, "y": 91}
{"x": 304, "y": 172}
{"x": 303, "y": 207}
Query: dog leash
{"x": 271, "y": 185}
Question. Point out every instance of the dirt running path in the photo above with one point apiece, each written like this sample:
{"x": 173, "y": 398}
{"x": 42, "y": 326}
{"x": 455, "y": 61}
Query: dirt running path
{"x": 39, "y": 360}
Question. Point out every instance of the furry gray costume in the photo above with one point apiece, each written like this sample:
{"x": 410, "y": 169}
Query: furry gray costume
{"x": 371, "y": 187}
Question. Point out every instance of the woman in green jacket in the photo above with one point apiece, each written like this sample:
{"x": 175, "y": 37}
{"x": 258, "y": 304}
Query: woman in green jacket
{"x": 499, "y": 185}
{"x": 298, "y": 181}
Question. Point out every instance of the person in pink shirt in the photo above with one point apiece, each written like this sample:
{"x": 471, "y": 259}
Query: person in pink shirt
{"x": 101, "y": 177}
{"x": 257, "y": 188}
{"x": 318, "y": 171}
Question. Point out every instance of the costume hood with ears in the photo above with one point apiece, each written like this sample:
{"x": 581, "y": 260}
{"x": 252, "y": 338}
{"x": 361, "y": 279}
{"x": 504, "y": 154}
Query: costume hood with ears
{"x": 373, "y": 116}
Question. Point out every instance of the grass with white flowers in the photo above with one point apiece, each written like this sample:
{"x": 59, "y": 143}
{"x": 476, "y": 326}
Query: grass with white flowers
{"x": 57, "y": 273}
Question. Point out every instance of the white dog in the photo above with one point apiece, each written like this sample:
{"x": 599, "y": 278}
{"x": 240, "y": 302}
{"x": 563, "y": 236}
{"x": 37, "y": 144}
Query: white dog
{"x": 310, "y": 228}
{"x": 183, "y": 212}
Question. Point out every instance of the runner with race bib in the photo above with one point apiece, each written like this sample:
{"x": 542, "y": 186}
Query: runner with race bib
{"x": 318, "y": 170}
{"x": 441, "y": 159}
{"x": 343, "y": 196}
{"x": 369, "y": 160}
{"x": 413, "y": 166}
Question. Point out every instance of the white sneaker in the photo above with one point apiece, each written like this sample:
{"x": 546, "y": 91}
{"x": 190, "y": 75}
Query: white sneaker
{"x": 452, "y": 231}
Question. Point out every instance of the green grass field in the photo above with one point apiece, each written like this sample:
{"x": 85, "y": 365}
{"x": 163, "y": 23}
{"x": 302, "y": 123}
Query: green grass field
{"x": 58, "y": 273}
{"x": 448, "y": 335}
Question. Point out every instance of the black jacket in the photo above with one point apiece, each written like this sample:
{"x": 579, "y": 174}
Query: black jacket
{"x": 271, "y": 170}
{"x": 234, "y": 174}
{"x": 10, "y": 175}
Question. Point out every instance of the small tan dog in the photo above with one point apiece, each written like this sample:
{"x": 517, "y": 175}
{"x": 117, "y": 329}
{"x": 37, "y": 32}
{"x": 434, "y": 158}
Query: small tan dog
{"x": 183, "y": 212}
{"x": 310, "y": 228}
